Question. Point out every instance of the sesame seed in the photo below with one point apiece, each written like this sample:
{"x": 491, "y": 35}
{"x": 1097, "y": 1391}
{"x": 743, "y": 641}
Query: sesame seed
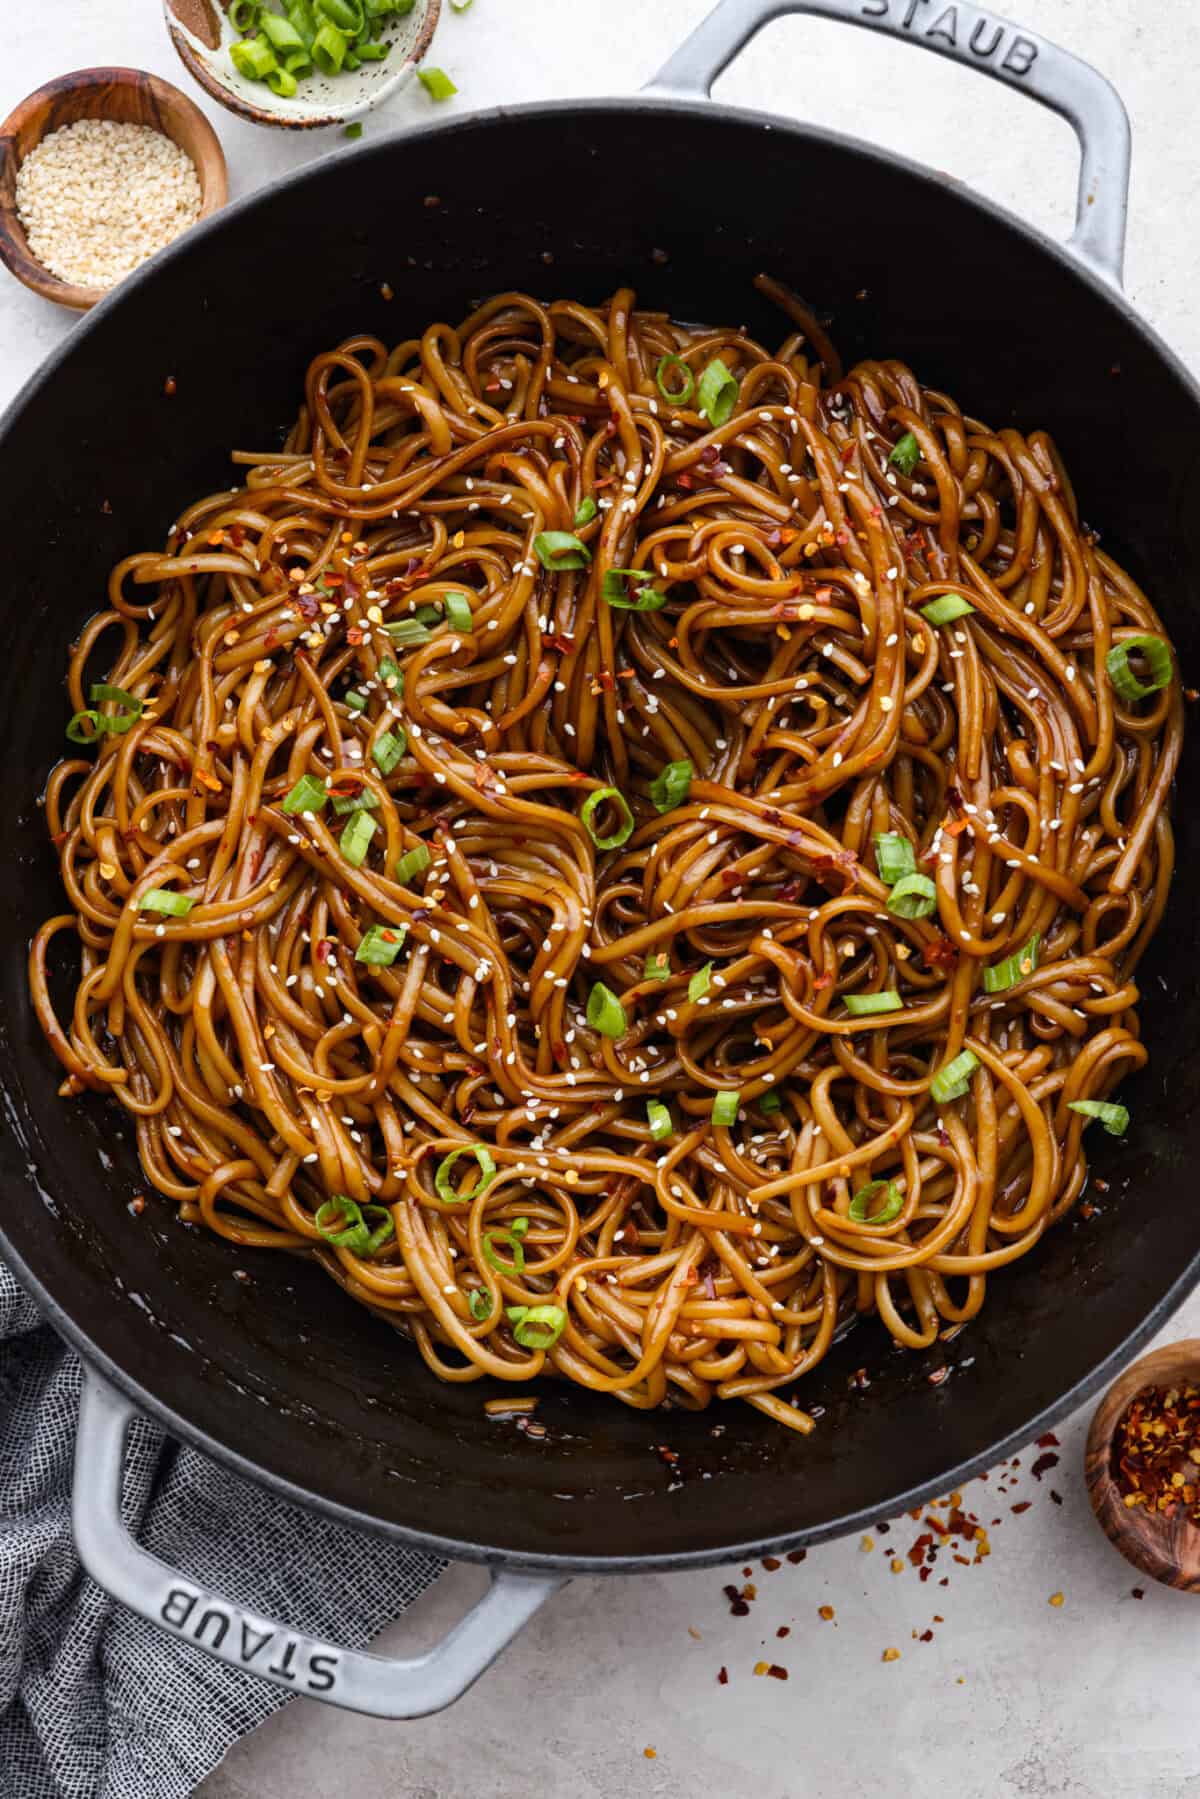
{"x": 98, "y": 197}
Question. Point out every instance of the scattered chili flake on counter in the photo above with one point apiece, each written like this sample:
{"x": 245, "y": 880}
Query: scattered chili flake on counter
{"x": 1056, "y": 1599}
{"x": 1156, "y": 1451}
{"x": 825, "y": 1611}
{"x": 649, "y": 1753}
{"x": 890, "y": 1655}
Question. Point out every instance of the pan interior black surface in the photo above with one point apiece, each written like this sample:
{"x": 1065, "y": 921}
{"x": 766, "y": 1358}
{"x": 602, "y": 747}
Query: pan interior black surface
{"x": 281, "y": 1370}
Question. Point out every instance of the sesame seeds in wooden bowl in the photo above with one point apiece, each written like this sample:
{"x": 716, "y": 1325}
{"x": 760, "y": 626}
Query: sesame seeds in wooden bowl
{"x": 98, "y": 170}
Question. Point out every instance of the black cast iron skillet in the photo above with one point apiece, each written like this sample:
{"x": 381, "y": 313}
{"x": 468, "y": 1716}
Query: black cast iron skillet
{"x": 281, "y": 1376}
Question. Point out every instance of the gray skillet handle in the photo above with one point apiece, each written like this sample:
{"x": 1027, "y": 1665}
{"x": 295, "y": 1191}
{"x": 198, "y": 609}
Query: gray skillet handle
{"x": 981, "y": 40}
{"x": 345, "y": 1677}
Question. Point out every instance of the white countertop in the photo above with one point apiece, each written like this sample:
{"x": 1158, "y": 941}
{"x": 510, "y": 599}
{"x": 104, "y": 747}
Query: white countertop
{"x": 1013, "y": 1698}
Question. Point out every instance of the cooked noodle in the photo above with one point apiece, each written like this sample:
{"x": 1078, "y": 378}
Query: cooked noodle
{"x": 268, "y": 1069}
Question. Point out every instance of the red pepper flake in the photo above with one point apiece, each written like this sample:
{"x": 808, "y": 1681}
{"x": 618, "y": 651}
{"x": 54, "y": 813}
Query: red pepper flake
{"x": 723, "y": 1676}
{"x": 941, "y": 953}
{"x": 926, "y": 1636}
{"x": 1049, "y": 1441}
{"x": 771, "y": 1562}
{"x": 1156, "y": 1451}
{"x": 1022, "y": 1507}
{"x": 775, "y": 1672}
{"x": 1138, "y": 1592}
{"x": 737, "y": 1605}
{"x": 1044, "y": 1464}
{"x": 170, "y": 387}
{"x": 841, "y": 866}
{"x": 785, "y": 1630}
{"x": 826, "y": 1612}
{"x": 797, "y": 1555}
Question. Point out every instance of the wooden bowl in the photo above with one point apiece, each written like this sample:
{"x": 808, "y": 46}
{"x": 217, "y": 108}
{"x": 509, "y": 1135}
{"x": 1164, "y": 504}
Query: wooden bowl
{"x": 202, "y": 34}
{"x": 1167, "y": 1549}
{"x": 130, "y": 96}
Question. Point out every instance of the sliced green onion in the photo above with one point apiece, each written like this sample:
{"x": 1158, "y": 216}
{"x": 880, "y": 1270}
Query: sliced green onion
{"x": 538, "y": 1327}
{"x": 388, "y": 749}
{"x": 363, "y": 800}
{"x": 946, "y": 608}
{"x": 725, "y": 1109}
{"x": 106, "y": 723}
{"x": 428, "y": 615}
{"x": 371, "y": 52}
{"x": 585, "y": 512}
{"x": 356, "y": 701}
{"x": 351, "y": 60}
{"x": 161, "y": 899}
{"x": 353, "y": 130}
{"x": 1126, "y": 684}
{"x": 104, "y": 690}
{"x": 411, "y": 864}
{"x": 437, "y": 83}
{"x": 329, "y": 48}
{"x": 344, "y": 1222}
{"x": 863, "y": 1005}
{"x": 700, "y": 982}
{"x": 952, "y": 1081}
{"x": 906, "y": 454}
{"x": 913, "y": 896}
{"x": 486, "y": 1164}
{"x": 770, "y": 1102}
{"x": 345, "y": 14}
{"x": 892, "y": 1206}
{"x": 381, "y": 945}
{"x": 356, "y": 838}
{"x": 560, "y": 549}
{"x": 605, "y": 1013}
{"x": 894, "y": 856}
{"x": 308, "y": 795}
{"x": 509, "y": 1237}
{"x": 629, "y": 590}
{"x": 94, "y": 724}
{"x": 671, "y": 786}
{"x": 243, "y": 16}
{"x": 300, "y": 16}
{"x": 254, "y": 58}
{"x": 299, "y": 63}
{"x": 661, "y": 1123}
{"x": 392, "y": 675}
{"x": 461, "y": 5}
{"x": 1114, "y": 1118}
{"x": 1014, "y": 968}
{"x": 658, "y": 966}
{"x": 480, "y": 1304}
{"x": 685, "y": 392}
{"x": 458, "y": 612}
{"x": 408, "y": 632}
{"x": 717, "y": 392}
{"x": 280, "y": 32}
{"x": 624, "y": 830}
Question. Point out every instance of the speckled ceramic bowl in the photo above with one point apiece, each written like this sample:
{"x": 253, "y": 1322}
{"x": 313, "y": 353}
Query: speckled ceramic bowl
{"x": 202, "y": 34}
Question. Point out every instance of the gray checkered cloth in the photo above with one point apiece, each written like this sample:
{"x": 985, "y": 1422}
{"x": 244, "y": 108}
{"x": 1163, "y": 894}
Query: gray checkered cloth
{"x": 94, "y": 1702}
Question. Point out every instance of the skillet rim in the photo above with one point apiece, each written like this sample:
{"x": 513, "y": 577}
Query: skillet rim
{"x": 179, "y": 1427}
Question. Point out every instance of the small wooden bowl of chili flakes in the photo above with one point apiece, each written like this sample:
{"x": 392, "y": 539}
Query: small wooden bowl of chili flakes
{"x": 1143, "y": 1465}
